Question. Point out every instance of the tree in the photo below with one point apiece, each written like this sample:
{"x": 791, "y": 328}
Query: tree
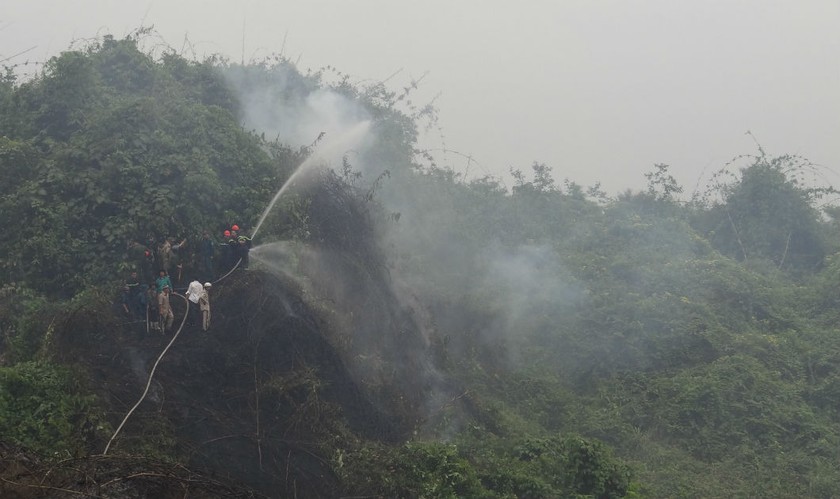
{"x": 662, "y": 185}
{"x": 120, "y": 147}
{"x": 768, "y": 213}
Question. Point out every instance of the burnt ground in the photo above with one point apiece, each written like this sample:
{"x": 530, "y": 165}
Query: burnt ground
{"x": 260, "y": 402}
{"x": 25, "y": 476}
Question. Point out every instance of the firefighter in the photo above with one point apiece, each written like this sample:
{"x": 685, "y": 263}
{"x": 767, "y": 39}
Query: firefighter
{"x": 136, "y": 291}
{"x": 233, "y": 248}
{"x": 244, "y": 249}
{"x": 205, "y": 251}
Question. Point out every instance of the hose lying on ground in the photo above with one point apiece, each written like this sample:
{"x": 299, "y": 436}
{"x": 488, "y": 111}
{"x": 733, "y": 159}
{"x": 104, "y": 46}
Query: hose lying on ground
{"x": 151, "y": 375}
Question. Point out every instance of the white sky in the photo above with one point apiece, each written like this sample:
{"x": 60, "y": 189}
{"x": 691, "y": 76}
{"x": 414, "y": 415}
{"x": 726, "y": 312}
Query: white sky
{"x": 600, "y": 90}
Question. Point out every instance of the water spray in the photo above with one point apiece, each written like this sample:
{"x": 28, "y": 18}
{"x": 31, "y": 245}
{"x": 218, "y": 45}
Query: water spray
{"x": 345, "y": 141}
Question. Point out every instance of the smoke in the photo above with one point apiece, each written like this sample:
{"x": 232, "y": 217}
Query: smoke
{"x": 369, "y": 326}
{"x": 365, "y": 322}
{"x": 328, "y": 154}
{"x": 532, "y": 286}
{"x": 440, "y": 282}
{"x": 489, "y": 300}
{"x": 138, "y": 362}
{"x": 287, "y": 106}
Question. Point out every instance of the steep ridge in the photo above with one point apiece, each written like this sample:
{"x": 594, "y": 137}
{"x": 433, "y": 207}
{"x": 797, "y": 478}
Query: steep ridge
{"x": 257, "y": 398}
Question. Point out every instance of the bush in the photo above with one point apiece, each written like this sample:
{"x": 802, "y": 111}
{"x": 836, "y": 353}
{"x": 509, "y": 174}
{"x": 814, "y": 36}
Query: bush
{"x": 41, "y": 410}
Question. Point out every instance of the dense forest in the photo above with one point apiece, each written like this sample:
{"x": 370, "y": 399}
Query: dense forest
{"x": 401, "y": 331}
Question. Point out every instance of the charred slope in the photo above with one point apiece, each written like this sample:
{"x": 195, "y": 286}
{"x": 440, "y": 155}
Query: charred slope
{"x": 265, "y": 397}
{"x": 24, "y": 475}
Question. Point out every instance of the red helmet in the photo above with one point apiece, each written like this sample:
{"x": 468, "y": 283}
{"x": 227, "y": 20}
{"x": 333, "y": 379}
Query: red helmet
{"x": 227, "y": 233}
{"x": 235, "y": 227}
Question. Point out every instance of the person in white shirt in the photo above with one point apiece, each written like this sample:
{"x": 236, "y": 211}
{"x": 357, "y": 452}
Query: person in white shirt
{"x": 194, "y": 291}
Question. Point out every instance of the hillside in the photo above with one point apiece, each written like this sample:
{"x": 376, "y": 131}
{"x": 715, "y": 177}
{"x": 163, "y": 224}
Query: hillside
{"x": 400, "y": 331}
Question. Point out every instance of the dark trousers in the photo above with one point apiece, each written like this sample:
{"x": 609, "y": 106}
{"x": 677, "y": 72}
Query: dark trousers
{"x": 193, "y": 314}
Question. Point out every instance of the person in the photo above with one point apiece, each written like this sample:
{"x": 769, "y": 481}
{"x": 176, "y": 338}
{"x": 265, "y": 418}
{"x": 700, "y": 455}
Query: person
{"x": 142, "y": 301}
{"x": 152, "y": 307}
{"x": 164, "y": 251}
{"x": 150, "y": 246}
{"x": 194, "y": 291}
{"x": 165, "y": 311}
{"x": 204, "y": 305}
{"x": 166, "y": 254}
{"x": 143, "y": 258}
{"x": 162, "y": 280}
{"x": 205, "y": 250}
{"x": 244, "y": 245}
{"x": 226, "y": 257}
{"x": 132, "y": 281}
{"x": 233, "y": 249}
{"x": 125, "y": 301}
{"x": 136, "y": 292}
{"x": 147, "y": 268}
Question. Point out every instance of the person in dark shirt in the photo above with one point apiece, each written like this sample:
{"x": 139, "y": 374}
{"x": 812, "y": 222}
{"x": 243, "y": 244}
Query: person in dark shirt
{"x": 244, "y": 249}
{"x": 233, "y": 249}
{"x": 205, "y": 251}
{"x": 125, "y": 302}
{"x": 143, "y": 258}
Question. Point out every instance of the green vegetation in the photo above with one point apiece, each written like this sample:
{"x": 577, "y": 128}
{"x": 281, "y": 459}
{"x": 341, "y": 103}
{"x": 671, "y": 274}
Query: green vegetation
{"x": 41, "y": 408}
{"x": 464, "y": 340}
{"x": 107, "y": 147}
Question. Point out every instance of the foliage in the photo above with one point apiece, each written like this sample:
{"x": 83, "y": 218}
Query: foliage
{"x": 544, "y": 341}
{"x": 637, "y": 312}
{"x": 767, "y": 212}
{"x": 119, "y": 147}
{"x": 732, "y": 402}
{"x": 661, "y": 184}
{"x": 25, "y": 319}
{"x": 554, "y": 466}
{"x": 40, "y": 408}
{"x": 421, "y": 469}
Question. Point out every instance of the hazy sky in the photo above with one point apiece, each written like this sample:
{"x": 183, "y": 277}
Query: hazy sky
{"x": 600, "y": 90}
